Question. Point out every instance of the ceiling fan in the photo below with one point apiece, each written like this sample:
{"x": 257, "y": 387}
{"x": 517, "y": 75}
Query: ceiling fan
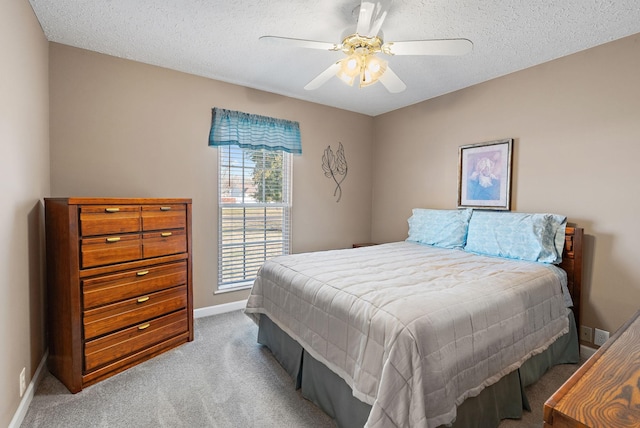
{"x": 361, "y": 47}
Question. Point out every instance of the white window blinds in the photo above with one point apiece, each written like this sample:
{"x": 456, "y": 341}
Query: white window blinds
{"x": 254, "y": 211}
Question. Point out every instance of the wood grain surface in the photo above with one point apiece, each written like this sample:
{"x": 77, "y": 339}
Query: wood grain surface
{"x": 605, "y": 391}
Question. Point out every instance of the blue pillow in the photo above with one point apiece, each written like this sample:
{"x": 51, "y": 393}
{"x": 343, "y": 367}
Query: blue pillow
{"x": 440, "y": 228}
{"x": 523, "y": 236}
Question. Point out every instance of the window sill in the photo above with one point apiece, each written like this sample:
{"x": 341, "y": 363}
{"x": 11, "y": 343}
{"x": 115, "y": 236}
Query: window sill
{"x": 230, "y": 289}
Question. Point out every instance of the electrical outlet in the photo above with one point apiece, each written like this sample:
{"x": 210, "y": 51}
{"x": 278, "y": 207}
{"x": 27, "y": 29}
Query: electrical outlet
{"x": 23, "y": 381}
{"x": 600, "y": 337}
{"x": 585, "y": 333}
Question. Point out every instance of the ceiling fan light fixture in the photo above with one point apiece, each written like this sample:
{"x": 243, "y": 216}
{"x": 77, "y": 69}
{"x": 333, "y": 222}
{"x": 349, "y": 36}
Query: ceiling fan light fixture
{"x": 364, "y": 66}
{"x": 349, "y": 69}
{"x": 351, "y": 65}
{"x": 372, "y": 70}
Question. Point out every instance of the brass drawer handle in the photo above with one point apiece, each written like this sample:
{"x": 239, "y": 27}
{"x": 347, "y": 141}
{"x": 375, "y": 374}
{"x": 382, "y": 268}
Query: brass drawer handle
{"x": 143, "y": 299}
{"x": 165, "y": 234}
{"x": 112, "y": 210}
{"x": 143, "y": 326}
{"x": 115, "y": 239}
{"x": 165, "y": 208}
{"x": 142, "y": 273}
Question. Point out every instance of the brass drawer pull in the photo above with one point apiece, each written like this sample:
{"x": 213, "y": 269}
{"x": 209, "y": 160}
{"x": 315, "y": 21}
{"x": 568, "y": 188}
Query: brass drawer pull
{"x": 143, "y": 326}
{"x": 112, "y": 210}
{"x": 115, "y": 239}
{"x": 143, "y": 299}
{"x": 142, "y": 273}
{"x": 165, "y": 234}
{"x": 165, "y": 208}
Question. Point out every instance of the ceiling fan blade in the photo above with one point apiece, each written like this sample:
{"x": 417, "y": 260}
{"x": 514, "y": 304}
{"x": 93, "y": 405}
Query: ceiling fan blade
{"x": 429, "y": 47}
{"x": 372, "y": 15}
{"x": 301, "y": 43}
{"x": 323, "y": 77}
{"x": 392, "y": 82}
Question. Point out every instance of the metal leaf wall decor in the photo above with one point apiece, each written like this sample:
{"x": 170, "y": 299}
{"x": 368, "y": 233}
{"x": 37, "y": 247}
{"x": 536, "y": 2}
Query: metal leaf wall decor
{"x": 335, "y": 167}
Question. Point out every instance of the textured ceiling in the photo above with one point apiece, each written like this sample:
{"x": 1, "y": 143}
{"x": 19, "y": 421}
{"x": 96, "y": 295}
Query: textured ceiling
{"x": 219, "y": 39}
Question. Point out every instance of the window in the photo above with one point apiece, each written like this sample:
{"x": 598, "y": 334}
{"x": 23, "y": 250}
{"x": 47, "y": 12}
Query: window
{"x": 254, "y": 188}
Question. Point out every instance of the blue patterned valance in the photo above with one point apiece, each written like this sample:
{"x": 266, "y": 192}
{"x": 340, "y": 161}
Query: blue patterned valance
{"x": 251, "y": 131}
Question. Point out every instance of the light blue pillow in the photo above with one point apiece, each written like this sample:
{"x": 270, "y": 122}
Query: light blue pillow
{"x": 523, "y": 236}
{"x": 440, "y": 228}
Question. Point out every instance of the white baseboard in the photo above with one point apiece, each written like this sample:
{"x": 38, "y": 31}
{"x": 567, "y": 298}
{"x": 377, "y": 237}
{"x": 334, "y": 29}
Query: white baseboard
{"x": 18, "y": 417}
{"x": 586, "y": 352}
{"x": 219, "y": 309}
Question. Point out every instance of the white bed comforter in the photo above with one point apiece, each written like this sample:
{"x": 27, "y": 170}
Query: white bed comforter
{"x": 413, "y": 330}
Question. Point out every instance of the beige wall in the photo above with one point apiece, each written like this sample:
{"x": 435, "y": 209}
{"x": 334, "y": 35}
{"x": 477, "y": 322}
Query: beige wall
{"x": 122, "y": 128}
{"x": 577, "y": 147}
{"x": 24, "y": 180}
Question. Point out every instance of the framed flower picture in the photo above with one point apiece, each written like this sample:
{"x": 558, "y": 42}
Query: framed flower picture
{"x": 484, "y": 175}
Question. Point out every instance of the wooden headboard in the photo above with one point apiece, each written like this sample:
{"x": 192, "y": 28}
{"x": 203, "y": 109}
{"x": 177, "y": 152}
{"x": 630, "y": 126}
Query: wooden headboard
{"x": 572, "y": 264}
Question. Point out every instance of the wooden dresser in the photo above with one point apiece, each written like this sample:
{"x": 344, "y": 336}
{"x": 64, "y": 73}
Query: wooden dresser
{"x": 605, "y": 391}
{"x": 119, "y": 284}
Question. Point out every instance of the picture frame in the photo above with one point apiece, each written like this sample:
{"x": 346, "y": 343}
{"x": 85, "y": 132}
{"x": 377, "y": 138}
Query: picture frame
{"x": 484, "y": 175}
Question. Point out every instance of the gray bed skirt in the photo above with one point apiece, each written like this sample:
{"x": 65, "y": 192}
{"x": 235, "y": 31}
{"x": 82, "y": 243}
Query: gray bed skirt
{"x": 504, "y": 400}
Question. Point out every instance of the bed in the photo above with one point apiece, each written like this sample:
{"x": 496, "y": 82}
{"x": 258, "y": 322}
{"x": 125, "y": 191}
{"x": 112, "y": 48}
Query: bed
{"x": 445, "y": 328}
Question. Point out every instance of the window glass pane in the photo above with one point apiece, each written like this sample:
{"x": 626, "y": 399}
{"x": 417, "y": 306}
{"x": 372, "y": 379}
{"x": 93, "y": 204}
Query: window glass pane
{"x": 254, "y": 211}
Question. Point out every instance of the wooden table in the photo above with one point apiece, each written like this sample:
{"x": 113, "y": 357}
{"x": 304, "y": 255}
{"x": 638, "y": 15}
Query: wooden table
{"x": 605, "y": 391}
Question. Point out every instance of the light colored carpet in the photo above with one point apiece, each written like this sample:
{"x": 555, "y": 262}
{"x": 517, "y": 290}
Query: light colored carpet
{"x": 221, "y": 379}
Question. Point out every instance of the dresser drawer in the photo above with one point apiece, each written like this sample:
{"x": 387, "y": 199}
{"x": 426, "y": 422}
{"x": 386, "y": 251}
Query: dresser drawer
{"x": 158, "y": 217}
{"x": 156, "y": 244}
{"x": 106, "y": 349}
{"x": 124, "y": 285}
{"x": 105, "y": 319}
{"x": 111, "y": 249}
{"x": 109, "y": 219}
